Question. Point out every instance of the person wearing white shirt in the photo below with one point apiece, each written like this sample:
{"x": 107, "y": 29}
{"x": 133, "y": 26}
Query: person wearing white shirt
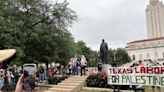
{"x": 83, "y": 63}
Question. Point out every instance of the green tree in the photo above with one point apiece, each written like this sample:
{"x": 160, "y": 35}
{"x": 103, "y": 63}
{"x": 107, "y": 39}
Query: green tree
{"x": 91, "y": 55}
{"x": 37, "y": 29}
{"x": 93, "y": 58}
{"x": 82, "y": 48}
{"x": 118, "y": 56}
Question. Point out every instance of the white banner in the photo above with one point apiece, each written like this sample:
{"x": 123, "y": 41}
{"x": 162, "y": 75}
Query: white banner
{"x": 152, "y": 76}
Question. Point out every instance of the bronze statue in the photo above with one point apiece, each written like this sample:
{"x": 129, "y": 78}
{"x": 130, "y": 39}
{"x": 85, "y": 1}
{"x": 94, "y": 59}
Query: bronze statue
{"x": 104, "y": 52}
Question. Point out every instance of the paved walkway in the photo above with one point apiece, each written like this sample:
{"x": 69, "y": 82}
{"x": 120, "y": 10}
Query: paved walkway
{"x": 72, "y": 84}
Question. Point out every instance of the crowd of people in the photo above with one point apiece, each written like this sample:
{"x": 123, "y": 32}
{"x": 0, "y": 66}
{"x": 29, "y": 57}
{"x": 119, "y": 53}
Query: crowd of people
{"x": 146, "y": 63}
{"x": 11, "y": 75}
{"x": 74, "y": 64}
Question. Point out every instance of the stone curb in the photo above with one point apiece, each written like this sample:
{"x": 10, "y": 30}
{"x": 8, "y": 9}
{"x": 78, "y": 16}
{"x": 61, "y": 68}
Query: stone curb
{"x": 97, "y": 89}
{"x": 103, "y": 89}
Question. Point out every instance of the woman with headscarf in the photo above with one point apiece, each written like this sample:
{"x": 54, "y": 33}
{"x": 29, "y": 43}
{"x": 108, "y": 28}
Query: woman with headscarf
{"x": 83, "y": 63}
{"x": 74, "y": 66}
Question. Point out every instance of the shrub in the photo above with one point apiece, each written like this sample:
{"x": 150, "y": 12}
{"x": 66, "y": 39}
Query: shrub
{"x": 97, "y": 80}
{"x": 100, "y": 80}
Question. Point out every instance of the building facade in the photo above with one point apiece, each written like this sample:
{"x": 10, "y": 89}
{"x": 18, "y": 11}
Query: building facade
{"x": 146, "y": 49}
{"x": 155, "y": 19}
{"x": 153, "y": 46}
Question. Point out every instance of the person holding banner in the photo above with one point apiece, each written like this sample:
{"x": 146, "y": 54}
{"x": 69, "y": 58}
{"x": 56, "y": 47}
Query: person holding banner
{"x": 151, "y": 63}
{"x": 141, "y": 64}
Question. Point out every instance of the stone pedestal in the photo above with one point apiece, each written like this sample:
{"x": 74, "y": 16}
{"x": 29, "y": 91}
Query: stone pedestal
{"x": 105, "y": 67}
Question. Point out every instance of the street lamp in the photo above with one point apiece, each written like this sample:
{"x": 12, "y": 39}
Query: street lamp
{"x": 114, "y": 55}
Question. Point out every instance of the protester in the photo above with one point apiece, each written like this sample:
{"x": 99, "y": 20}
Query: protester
{"x": 50, "y": 71}
{"x": 9, "y": 76}
{"x": 99, "y": 65}
{"x": 42, "y": 75}
{"x": 140, "y": 64}
{"x": 74, "y": 66}
{"x": 70, "y": 66}
{"x": 55, "y": 70}
{"x": 150, "y": 63}
{"x": 15, "y": 73}
{"x": 83, "y": 64}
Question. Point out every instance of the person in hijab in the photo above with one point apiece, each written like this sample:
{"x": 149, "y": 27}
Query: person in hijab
{"x": 74, "y": 66}
{"x": 83, "y": 63}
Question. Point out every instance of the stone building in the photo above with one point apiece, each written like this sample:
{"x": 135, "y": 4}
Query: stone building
{"x": 153, "y": 46}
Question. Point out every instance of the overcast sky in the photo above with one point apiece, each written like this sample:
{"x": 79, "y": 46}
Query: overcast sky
{"x": 117, "y": 21}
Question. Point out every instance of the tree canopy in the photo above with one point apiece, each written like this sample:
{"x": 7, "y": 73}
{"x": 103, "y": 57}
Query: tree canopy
{"x": 37, "y": 29}
{"x": 118, "y": 56}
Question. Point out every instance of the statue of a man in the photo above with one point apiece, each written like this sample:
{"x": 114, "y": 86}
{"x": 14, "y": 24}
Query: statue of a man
{"x": 104, "y": 52}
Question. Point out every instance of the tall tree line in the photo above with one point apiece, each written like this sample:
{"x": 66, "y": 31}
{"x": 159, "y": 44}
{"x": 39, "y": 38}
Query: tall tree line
{"x": 38, "y": 30}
